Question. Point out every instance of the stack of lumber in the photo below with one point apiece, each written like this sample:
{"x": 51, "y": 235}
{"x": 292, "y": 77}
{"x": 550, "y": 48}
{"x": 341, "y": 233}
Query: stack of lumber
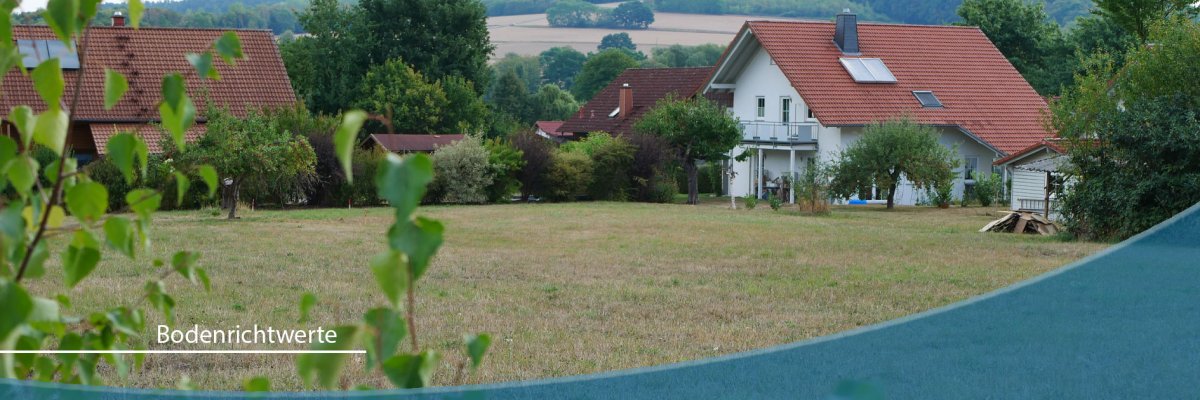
{"x": 1022, "y": 222}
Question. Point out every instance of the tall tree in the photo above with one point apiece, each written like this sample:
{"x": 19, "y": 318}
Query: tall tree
{"x": 509, "y": 96}
{"x": 631, "y": 15}
{"x": 439, "y": 38}
{"x": 1138, "y": 16}
{"x": 1024, "y": 34}
{"x": 528, "y": 68}
{"x": 560, "y": 65}
{"x": 552, "y": 103}
{"x": 467, "y": 112}
{"x": 698, "y": 130}
{"x": 888, "y": 152}
{"x": 599, "y": 70}
{"x": 617, "y": 41}
{"x": 413, "y": 104}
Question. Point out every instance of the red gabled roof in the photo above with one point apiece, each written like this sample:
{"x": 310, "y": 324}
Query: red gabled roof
{"x": 551, "y": 128}
{"x": 980, "y": 90}
{"x": 649, "y": 86}
{"x": 1050, "y": 144}
{"x": 403, "y": 143}
{"x": 144, "y": 56}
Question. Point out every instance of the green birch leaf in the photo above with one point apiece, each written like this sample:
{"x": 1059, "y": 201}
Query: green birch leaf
{"x": 477, "y": 346}
{"x": 26, "y": 122}
{"x": 257, "y": 384}
{"x": 81, "y": 258}
{"x": 48, "y": 80}
{"x": 184, "y": 262}
{"x": 87, "y": 201}
{"x": 345, "y": 138}
{"x": 182, "y": 184}
{"x": 229, "y": 47}
{"x": 61, "y": 16}
{"x": 307, "y": 301}
{"x": 419, "y": 238}
{"x": 115, "y": 86}
{"x": 144, "y": 202}
{"x": 411, "y": 371}
{"x": 157, "y": 295}
{"x": 22, "y": 173}
{"x": 209, "y": 175}
{"x": 202, "y": 275}
{"x": 51, "y": 129}
{"x": 123, "y": 149}
{"x": 202, "y": 62}
{"x": 17, "y": 307}
{"x": 135, "y": 13}
{"x": 388, "y": 268}
{"x": 386, "y": 328}
{"x": 402, "y": 182}
{"x": 323, "y": 369}
{"x": 120, "y": 235}
{"x": 6, "y": 36}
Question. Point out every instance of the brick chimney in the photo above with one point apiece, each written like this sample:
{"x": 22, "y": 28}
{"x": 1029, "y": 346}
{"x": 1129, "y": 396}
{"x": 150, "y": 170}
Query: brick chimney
{"x": 626, "y": 102}
{"x": 845, "y": 33}
{"x": 118, "y": 19}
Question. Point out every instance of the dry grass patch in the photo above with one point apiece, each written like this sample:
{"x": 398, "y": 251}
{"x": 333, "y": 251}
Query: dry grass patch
{"x": 576, "y": 288}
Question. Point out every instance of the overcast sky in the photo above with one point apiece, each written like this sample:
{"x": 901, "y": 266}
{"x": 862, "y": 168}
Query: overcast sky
{"x": 30, "y": 5}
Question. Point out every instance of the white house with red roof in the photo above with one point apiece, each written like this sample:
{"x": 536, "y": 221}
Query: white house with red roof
{"x": 805, "y": 90}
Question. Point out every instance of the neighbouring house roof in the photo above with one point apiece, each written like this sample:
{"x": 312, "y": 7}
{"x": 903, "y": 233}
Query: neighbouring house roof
{"x": 649, "y": 85}
{"x": 552, "y": 128}
{"x": 405, "y": 143}
{"x": 1046, "y": 144}
{"x": 1052, "y": 164}
{"x": 144, "y": 55}
{"x": 153, "y": 135}
{"x": 979, "y": 89}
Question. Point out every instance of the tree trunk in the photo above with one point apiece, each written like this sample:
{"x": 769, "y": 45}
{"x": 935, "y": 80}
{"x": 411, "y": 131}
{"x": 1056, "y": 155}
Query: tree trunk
{"x": 892, "y": 196}
{"x": 233, "y": 199}
{"x": 693, "y": 181}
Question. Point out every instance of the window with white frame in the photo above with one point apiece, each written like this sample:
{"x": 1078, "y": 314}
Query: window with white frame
{"x": 762, "y": 107}
{"x": 970, "y": 165}
{"x": 785, "y": 109}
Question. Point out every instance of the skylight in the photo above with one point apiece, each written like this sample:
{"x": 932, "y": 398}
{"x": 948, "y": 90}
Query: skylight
{"x": 927, "y": 99}
{"x": 615, "y": 113}
{"x": 33, "y": 52}
{"x": 868, "y": 70}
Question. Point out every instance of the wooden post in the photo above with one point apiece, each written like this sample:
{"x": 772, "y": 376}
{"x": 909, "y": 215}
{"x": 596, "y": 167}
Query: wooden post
{"x": 1049, "y": 186}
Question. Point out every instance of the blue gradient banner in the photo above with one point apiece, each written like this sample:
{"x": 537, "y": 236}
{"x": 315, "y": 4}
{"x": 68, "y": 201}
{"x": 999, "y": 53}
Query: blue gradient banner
{"x": 1118, "y": 325}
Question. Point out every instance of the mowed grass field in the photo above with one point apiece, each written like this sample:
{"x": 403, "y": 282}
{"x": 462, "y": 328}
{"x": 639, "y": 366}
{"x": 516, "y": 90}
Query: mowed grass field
{"x": 573, "y": 288}
{"x": 531, "y": 34}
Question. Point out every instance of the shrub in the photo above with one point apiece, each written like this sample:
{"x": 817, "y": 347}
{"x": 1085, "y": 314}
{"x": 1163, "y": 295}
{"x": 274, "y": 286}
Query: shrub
{"x": 710, "y": 179}
{"x": 537, "y": 155}
{"x": 461, "y": 171}
{"x": 812, "y": 189}
{"x": 568, "y": 176}
{"x": 751, "y": 202}
{"x": 651, "y": 157}
{"x": 505, "y": 162}
{"x": 664, "y": 192}
{"x": 612, "y": 159}
{"x": 775, "y": 202}
{"x": 987, "y": 188}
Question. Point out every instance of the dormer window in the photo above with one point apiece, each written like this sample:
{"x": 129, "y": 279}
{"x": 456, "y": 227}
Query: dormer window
{"x": 927, "y": 99}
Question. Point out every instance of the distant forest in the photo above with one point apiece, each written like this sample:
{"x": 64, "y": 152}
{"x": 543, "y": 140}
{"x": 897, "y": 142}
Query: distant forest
{"x": 280, "y": 15}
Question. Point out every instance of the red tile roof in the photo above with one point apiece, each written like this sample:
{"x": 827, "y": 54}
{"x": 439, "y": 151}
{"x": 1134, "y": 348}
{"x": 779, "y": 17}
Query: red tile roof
{"x": 648, "y": 84}
{"x": 980, "y": 90}
{"x": 552, "y": 128}
{"x": 145, "y": 55}
{"x": 151, "y": 134}
{"x": 1051, "y": 144}
{"x": 403, "y": 143}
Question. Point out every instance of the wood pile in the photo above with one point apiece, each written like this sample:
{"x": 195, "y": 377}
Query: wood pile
{"x": 1022, "y": 222}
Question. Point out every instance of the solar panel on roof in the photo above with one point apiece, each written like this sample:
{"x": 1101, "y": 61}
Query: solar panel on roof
{"x": 33, "y": 52}
{"x": 927, "y": 98}
{"x": 868, "y": 70}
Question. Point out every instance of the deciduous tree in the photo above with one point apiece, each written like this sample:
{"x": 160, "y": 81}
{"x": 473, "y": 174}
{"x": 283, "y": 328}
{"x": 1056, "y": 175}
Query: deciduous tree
{"x": 888, "y": 152}
{"x": 698, "y": 130}
{"x": 599, "y": 70}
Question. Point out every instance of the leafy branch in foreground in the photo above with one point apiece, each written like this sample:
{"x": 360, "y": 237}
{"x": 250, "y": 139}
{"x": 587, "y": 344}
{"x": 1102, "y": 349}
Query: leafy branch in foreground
{"x": 412, "y": 242}
{"x": 35, "y": 201}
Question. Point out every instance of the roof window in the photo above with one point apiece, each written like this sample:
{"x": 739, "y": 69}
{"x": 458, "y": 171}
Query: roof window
{"x": 868, "y": 70}
{"x": 927, "y": 99}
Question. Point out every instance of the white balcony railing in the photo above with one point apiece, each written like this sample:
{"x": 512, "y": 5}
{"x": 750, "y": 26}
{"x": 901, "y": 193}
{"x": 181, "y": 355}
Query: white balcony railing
{"x": 779, "y": 132}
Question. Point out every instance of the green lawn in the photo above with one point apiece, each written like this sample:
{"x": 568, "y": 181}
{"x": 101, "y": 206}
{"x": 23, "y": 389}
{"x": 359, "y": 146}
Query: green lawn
{"x": 574, "y": 288}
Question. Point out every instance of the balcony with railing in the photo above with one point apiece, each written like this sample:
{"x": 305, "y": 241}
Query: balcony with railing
{"x": 779, "y": 132}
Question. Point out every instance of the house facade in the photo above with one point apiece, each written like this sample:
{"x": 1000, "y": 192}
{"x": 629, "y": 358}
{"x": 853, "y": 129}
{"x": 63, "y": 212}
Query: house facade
{"x": 144, "y": 56}
{"x": 804, "y": 91}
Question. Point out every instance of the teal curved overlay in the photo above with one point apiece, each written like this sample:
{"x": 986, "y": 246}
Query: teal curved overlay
{"x": 1122, "y": 324}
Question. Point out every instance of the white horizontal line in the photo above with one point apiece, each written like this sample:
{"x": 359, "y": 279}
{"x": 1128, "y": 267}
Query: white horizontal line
{"x": 183, "y": 352}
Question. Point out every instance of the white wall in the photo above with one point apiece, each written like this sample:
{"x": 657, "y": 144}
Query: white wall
{"x": 1029, "y": 184}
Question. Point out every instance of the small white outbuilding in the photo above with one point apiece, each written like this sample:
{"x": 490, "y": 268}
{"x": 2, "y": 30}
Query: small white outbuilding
{"x": 1033, "y": 174}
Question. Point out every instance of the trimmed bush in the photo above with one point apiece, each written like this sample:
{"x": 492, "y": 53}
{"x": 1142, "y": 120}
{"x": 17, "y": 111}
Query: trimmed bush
{"x": 664, "y": 192}
{"x": 651, "y": 157}
{"x": 461, "y": 172}
{"x": 612, "y": 159}
{"x": 568, "y": 177}
{"x": 505, "y": 162}
{"x": 987, "y": 188}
